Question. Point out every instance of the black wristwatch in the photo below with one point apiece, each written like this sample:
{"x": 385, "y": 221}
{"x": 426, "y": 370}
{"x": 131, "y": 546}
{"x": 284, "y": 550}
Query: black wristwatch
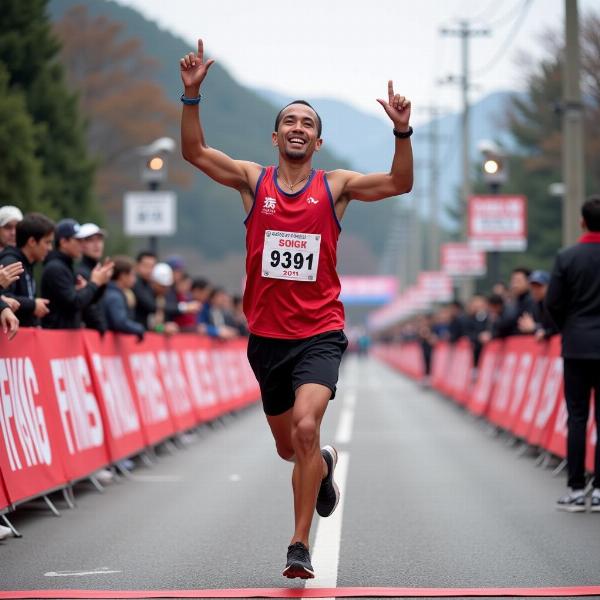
{"x": 402, "y": 135}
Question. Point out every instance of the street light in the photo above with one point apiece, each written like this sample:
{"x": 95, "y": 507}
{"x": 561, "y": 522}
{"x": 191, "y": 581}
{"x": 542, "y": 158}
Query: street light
{"x": 153, "y": 170}
{"x": 495, "y": 172}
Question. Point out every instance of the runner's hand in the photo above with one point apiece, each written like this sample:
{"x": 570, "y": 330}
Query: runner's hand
{"x": 397, "y": 108}
{"x": 194, "y": 69}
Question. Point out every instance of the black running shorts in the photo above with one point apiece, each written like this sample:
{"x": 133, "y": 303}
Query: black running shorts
{"x": 282, "y": 366}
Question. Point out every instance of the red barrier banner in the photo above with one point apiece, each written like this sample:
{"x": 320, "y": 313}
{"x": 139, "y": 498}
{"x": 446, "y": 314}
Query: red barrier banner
{"x": 592, "y": 439}
{"x": 439, "y": 364}
{"x": 513, "y": 376}
{"x": 30, "y": 452}
{"x": 4, "y": 501}
{"x": 84, "y": 448}
{"x": 524, "y": 418}
{"x": 122, "y": 424}
{"x": 460, "y": 373}
{"x": 483, "y": 389}
{"x": 550, "y": 397}
{"x": 143, "y": 372}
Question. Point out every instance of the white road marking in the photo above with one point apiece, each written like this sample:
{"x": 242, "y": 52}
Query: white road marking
{"x": 234, "y": 477}
{"x": 344, "y": 430}
{"x": 101, "y": 571}
{"x": 350, "y": 398}
{"x": 326, "y": 550}
{"x": 156, "y": 478}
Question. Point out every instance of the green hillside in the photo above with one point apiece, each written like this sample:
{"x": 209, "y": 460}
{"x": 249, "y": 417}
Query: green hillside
{"x": 236, "y": 121}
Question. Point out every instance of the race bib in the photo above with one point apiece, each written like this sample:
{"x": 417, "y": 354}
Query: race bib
{"x": 292, "y": 256}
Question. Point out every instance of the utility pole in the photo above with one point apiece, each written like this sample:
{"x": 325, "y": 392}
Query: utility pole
{"x": 433, "y": 138}
{"x": 465, "y": 33}
{"x": 573, "y": 153}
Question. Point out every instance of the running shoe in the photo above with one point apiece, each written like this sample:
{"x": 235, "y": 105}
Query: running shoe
{"x": 298, "y": 562}
{"x": 574, "y": 501}
{"x": 329, "y": 493}
{"x": 595, "y": 500}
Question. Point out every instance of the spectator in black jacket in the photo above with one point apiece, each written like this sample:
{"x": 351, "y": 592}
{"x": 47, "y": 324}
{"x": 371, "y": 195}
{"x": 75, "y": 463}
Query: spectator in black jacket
{"x": 457, "y": 327}
{"x": 540, "y": 323}
{"x": 145, "y": 299}
{"x": 476, "y": 323}
{"x": 119, "y": 299}
{"x": 520, "y": 303}
{"x": 67, "y": 292}
{"x": 34, "y": 236}
{"x": 573, "y": 300}
{"x": 92, "y": 246}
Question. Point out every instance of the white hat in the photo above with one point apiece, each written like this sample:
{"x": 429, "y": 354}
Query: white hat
{"x": 9, "y": 213}
{"x": 162, "y": 274}
{"x": 88, "y": 230}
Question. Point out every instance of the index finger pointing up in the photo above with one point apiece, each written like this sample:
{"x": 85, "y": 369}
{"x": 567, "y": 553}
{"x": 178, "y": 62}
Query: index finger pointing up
{"x": 200, "y": 51}
{"x": 391, "y": 90}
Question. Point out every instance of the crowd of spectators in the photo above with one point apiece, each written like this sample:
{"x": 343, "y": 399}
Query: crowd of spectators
{"x": 514, "y": 309}
{"x": 80, "y": 287}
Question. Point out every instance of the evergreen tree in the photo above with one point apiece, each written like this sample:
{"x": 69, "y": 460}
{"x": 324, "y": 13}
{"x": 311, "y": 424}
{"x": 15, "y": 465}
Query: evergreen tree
{"x": 29, "y": 50}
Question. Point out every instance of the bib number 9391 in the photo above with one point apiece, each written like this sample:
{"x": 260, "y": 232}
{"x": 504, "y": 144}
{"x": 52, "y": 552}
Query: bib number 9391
{"x": 292, "y": 256}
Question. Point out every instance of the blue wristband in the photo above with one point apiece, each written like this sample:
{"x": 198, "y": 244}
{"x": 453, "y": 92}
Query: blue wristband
{"x": 191, "y": 101}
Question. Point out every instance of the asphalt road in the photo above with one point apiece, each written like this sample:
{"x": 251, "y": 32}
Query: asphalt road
{"x": 431, "y": 499}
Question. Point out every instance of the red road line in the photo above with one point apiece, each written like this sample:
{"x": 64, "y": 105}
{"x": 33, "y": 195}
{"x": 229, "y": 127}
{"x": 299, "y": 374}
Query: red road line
{"x": 347, "y": 592}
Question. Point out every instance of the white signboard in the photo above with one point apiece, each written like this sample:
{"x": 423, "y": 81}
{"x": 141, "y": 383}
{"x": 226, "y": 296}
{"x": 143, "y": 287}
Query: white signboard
{"x": 498, "y": 223}
{"x": 150, "y": 213}
{"x": 460, "y": 260}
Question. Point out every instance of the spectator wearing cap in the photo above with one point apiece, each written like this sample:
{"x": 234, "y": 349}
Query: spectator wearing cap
{"x": 92, "y": 246}
{"x": 9, "y": 217}
{"x": 67, "y": 292}
{"x": 118, "y": 300}
{"x": 34, "y": 236}
{"x": 145, "y": 299}
{"x": 163, "y": 319}
{"x": 540, "y": 323}
{"x": 573, "y": 300}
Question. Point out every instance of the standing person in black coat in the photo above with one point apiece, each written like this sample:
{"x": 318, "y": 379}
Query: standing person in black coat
{"x": 92, "y": 246}
{"x": 34, "y": 236}
{"x": 67, "y": 292}
{"x": 573, "y": 299}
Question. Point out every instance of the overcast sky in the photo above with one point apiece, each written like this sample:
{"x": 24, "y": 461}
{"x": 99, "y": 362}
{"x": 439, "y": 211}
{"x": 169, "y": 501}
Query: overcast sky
{"x": 348, "y": 49}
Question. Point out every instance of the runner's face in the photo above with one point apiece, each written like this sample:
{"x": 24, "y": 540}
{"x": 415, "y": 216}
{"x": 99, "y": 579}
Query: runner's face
{"x": 297, "y": 137}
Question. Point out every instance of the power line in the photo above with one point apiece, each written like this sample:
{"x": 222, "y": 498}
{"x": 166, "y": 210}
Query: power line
{"x": 507, "y": 17}
{"x": 510, "y": 38}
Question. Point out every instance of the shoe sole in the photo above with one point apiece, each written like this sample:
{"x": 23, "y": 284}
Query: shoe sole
{"x": 572, "y": 509}
{"x": 333, "y": 453}
{"x": 296, "y": 570}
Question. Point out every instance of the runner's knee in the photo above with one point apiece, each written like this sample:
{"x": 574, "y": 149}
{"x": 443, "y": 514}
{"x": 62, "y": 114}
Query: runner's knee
{"x": 285, "y": 451}
{"x": 305, "y": 434}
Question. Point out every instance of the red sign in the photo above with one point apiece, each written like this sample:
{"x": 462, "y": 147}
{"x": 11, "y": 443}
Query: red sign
{"x": 460, "y": 260}
{"x": 498, "y": 223}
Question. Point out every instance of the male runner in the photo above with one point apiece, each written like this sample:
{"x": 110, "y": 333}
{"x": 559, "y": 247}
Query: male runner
{"x": 291, "y": 299}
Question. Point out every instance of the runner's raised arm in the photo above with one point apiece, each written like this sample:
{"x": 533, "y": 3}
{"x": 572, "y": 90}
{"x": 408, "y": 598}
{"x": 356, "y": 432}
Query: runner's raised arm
{"x": 214, "y": 163}
{"x": 399, "y": 180}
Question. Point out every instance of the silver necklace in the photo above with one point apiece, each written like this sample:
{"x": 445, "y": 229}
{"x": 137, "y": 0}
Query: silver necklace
{"x": 292, "y": 185}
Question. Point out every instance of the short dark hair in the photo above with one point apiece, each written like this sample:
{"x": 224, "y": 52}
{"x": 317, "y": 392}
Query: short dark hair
{"x": 123, "y": 266}
{"x": 523, "y": 270}
{"x": 145, "y": 254}
{"x": 200, "y": 284}
{"x": 319, "y": 122}
{"x": 590, "y": 211}
{"x": 34, "y": 225}
{"x": 495, "y": 300}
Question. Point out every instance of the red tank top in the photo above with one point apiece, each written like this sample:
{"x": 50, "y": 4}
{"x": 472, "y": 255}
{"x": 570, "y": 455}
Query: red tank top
{"x": 292, "y": 287}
